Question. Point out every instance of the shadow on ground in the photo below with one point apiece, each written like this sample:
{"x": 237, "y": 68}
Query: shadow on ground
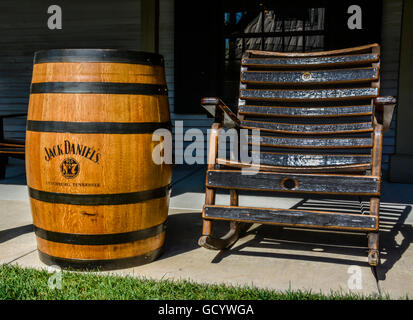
{"x": 9, "y": 234}
{"x": 183, "y": 232}
{"x": 346, "y": 248}
{"x": 395, "y": 236}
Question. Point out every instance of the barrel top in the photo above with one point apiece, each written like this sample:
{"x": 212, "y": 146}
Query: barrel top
{"x": 98, "y": 55}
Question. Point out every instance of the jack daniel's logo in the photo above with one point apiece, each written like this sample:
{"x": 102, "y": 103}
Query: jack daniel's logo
{"x": 68, "y": 148}
{"x": 69, "y": 168}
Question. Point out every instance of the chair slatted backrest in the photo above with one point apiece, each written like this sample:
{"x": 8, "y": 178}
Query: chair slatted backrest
{"x": 313, "y": 109}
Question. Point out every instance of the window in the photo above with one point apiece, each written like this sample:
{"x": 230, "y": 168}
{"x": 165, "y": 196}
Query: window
{"x": 268, "y": 31}
{"x": 299, "y": 30}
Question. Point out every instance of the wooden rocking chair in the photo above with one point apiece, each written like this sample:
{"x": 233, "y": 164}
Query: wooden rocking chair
{"x": 321, "y": 122}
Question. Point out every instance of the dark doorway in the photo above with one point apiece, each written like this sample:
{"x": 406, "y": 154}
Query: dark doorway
{"x": 197, "y": 53}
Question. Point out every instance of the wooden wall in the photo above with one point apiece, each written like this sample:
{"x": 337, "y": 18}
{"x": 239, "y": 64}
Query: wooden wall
{"x": 85, "y": 24}
{"x": 166, "y": 44}
{"x": 390, "y": 57}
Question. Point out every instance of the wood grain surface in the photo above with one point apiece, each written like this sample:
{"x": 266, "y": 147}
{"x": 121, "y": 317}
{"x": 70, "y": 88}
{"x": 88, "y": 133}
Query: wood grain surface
{"x": 89, "y": 161}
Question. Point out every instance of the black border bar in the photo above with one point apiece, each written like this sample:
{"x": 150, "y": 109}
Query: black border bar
{"x": 100, "y": 239}
{"x": 99, "y": 199}
{"x": 109, "y": 264}
{"x": 97, "y": 127}
{"x": 99, "y": 87}
{"x": 98, "y": 55}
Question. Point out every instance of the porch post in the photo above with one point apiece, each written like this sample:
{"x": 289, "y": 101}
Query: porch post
{"x": 401, "y": 163}
{"x": 149, "y": 25}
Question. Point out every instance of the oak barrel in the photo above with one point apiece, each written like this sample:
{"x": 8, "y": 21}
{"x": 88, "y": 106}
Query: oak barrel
{"x": 98, "y": 200}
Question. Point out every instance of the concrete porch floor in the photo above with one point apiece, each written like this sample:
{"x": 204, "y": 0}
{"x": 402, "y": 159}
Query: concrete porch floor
{"x": 267, "y": 256}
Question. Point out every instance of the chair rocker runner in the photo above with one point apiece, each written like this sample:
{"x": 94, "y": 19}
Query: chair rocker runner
{"x": 321, "y": 122}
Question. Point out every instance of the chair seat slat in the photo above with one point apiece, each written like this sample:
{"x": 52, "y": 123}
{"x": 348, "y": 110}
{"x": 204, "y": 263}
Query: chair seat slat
{"x": 273, "y": 161}
{"x": 311, "y": 143}
{"x": 361, "y": 167}
{"x": 364, "y": 49}
{"x": 308, "y": 95}
{"x": 308, "y": 128}
{"x": 276, "y": 111}
{"x": 311, "y": 61}
{"x": 305, "y": 183}
{"x": 293, "y": 217}
{"x": 310, "y": 77}
{"x": 313, "y": 160}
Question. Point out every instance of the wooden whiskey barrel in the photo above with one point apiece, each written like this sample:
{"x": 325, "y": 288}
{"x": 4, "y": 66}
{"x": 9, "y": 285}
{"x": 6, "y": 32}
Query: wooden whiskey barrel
{"x": 98, "y": 200}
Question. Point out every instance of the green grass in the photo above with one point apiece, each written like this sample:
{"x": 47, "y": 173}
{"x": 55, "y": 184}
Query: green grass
{"x": 29, "y": 284}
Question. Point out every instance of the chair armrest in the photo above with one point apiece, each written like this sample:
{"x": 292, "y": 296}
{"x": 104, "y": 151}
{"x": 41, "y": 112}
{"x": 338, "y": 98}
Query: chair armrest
{"x": 384, "y": 110}
{"x": 221, "y": 112}
{"x": 12, "y": 143}
{"x": 12, "y": 115}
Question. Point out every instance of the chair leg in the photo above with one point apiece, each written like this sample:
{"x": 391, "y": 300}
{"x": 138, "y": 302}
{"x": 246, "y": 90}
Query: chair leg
{"x": 373, "y": 237}
{"x": 213, "y": 243}
{"x": 373, "y": 255}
